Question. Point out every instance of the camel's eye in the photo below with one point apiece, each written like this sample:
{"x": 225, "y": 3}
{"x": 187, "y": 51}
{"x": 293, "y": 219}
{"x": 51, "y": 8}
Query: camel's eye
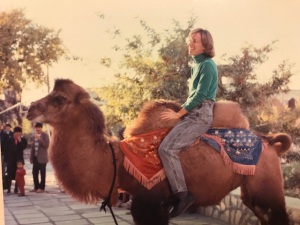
{"x": 59, "y": 100}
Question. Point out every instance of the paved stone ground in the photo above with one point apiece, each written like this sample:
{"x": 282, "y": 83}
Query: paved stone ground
{"x": 55, "y": 207}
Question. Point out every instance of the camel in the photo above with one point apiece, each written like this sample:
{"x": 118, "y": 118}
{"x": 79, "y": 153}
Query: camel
{"x": 80, "y": 153}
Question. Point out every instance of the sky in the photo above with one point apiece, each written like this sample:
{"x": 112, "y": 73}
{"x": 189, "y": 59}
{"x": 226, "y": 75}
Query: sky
{"x": 233, "y": 24}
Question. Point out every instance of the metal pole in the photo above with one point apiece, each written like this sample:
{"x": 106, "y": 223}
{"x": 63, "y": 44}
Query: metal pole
{"x": 48, "y": 80}
{"x": 48, "y": 89}
{"x": 1, "y": 193}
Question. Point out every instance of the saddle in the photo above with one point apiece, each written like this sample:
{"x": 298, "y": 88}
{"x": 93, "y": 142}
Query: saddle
{"x": 240, "y": 149}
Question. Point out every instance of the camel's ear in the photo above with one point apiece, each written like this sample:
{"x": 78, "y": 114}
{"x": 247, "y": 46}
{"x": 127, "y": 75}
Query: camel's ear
{"x": 82, "y": 97}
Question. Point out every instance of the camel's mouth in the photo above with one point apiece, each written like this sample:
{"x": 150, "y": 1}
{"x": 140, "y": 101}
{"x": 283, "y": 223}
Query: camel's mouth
{"x": 30, "y": 115}
{"x": 34, "y": 118}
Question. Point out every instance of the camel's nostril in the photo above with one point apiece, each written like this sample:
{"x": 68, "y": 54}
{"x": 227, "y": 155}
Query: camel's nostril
{"x": 40, "y": 107}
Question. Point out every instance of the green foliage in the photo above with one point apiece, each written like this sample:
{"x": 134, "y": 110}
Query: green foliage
{"x": 27, "y": 129}
{"x": 24, "y": 48}
{"x": 243, "y": 86}
{"x": 275, "y": 117}
{"x": 290, "y": 123}
{"x": 156, "y": 66}
{"x": 291, "y": 174}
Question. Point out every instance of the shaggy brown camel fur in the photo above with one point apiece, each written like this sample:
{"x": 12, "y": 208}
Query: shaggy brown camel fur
{"x": 82, "y": 159}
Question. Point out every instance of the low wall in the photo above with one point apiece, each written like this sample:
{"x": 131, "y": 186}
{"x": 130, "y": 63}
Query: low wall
{"x": 231, "y": 210}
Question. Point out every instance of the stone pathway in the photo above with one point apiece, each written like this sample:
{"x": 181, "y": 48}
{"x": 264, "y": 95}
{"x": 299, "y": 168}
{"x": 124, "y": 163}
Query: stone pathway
{"x": 55, "y": 207}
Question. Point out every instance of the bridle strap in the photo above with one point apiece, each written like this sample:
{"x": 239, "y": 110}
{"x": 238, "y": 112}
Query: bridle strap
{"x": 106, "y": 201}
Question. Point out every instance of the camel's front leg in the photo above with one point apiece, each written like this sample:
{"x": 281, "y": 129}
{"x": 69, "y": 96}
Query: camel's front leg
{"x": 149, "y": 212}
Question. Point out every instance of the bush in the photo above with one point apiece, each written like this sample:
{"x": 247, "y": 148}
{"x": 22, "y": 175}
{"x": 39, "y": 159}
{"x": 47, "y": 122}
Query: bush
{"x": 291, "y": 175}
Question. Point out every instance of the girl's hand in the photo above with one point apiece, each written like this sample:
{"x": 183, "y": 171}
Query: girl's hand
{"x": 169, "y": 114}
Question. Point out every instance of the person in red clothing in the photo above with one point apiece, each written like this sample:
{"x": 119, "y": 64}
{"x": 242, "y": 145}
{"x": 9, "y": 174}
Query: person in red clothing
{"x": 20, "y": 180}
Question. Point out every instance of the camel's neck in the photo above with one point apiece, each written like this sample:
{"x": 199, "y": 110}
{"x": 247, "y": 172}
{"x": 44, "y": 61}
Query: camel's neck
{"x": 82, "y": 163}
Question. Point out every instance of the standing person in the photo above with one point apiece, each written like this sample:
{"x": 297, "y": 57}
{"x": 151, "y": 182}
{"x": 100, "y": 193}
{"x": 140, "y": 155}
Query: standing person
{"x": 196, "y": 115}
{"x": 3, "y": 139}
{"x": 20, "y": 180}
{"x": 7, "y": 130}
{"x": 39, "y": 158}
{"x": 14, "y": 152}
{"x": 5, "y": 135}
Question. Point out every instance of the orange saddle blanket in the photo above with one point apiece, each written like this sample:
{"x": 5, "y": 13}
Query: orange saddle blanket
{"x": 141, "y": 158}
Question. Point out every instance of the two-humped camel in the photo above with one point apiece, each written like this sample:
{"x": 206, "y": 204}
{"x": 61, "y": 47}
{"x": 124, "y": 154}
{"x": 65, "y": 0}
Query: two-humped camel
{"x": 82, "y": 159}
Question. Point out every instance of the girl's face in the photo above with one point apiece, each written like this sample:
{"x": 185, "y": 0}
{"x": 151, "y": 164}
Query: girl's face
{"x": 20, "y": 165}
{"x": 195, "y": 44}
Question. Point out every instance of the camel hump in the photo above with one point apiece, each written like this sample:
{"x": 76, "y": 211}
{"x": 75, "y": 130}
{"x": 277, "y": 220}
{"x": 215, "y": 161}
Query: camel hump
{"x": 281, "y": 141}
{"x": 229, "y": 114}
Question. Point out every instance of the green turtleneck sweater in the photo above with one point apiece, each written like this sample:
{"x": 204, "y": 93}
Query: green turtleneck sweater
{"x": 203, "y": 83}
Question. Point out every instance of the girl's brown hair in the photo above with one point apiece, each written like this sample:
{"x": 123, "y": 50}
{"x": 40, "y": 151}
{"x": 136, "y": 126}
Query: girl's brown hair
{"x": 207, "y": 41}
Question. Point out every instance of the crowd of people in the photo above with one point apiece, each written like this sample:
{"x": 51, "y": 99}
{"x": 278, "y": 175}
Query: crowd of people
{"x": 13, "y": 144}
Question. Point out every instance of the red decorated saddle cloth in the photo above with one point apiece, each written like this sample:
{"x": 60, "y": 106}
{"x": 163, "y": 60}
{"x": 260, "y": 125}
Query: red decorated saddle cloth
{"x": 141, "y": 157}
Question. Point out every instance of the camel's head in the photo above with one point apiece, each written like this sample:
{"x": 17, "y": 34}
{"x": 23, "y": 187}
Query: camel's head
{"x": 59, "y": 106}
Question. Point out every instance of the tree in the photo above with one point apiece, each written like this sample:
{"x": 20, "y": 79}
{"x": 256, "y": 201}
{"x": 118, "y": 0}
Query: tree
{"x": 243, "y": 86}
{"x": 24, "y": 49}
{"x": 158, "y": 67}
{"x": 155, "y": 66}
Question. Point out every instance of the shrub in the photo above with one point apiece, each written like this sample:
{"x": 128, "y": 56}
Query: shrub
{"x": 291, "y": 175}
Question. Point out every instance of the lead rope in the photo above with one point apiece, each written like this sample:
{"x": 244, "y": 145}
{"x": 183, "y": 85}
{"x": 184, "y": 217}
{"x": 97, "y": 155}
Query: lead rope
{"x": 106, "y": 201}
